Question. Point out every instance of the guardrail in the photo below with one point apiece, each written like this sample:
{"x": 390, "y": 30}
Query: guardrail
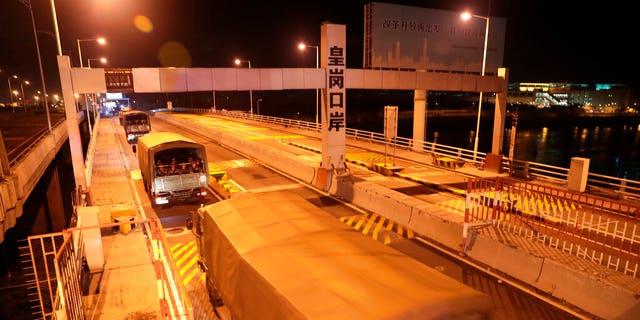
{"x": 25, "y": 147}
{"x": 597, "y": 229}
{"x": 621, "y": 187}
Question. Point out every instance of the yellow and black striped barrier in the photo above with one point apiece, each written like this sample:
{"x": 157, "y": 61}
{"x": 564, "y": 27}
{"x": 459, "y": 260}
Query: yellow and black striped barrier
{"x": 219, "y": 182}
{"x": 449, "y": 163}
{"x": 377, "y": 226}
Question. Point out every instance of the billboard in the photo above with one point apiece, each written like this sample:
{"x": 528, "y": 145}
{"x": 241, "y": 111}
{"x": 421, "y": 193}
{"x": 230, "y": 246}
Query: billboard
{"x": 406, "y": 37}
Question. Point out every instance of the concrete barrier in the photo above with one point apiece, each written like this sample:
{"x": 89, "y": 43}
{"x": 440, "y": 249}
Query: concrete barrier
{"x": 25, "y": 174}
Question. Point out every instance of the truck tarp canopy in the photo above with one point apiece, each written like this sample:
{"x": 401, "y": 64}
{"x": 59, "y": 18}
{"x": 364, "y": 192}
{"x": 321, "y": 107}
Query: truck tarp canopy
{"x": 160, "y": 138}
{"x": 274, "y": 255}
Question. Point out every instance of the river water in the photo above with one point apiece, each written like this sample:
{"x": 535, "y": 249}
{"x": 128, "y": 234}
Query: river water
{"x": 611, "y": 143}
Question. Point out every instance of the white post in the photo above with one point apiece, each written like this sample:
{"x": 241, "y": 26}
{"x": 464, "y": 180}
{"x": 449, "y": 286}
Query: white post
{"x": 484, "y": 63}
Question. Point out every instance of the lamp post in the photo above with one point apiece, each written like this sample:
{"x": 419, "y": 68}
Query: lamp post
{"x": 238, "y": 62}
{"x": 16, "y": 93}
{"x": 101, "y": 41}
{"x": 102, "y": 60}
{"x": 35, "y": 37}
{"x": 467, "y": 16}
{"x": 258, "y": 102}
{"x": 24, "y": 105}
{"x": 89, "y": 104}
{"x": 11, "y": 91}
{"x": 303, "y": 46}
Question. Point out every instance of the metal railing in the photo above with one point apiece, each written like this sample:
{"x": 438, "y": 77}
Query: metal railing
{"x": 356, "y": 134}
{"x": 65, "y": 287}
{"x": 619, "y": 187}
{"x": 593, "y": 228}
{"x": 19, "y": 152}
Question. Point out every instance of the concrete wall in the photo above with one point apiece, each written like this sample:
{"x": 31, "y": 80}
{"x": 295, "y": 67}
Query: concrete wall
{"x": 577, "y": 287}
{"x": 15, "y": 190}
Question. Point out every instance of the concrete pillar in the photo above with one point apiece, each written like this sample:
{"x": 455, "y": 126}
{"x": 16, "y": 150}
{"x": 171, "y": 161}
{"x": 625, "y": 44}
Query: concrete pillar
{"x": 419, "y": 119}
{"x": 500, "y": 113}
{"x": 578, "y": 174}
{"x": 53, "y": 205}
{"x": 333, "y": 53}
{"x": 75, "y": 141}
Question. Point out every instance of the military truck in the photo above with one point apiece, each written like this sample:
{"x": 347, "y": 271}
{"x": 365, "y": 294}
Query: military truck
{"x": 136, "y": 124}
{"x": 276, "y": 255}
{"x": 173, "y": 168}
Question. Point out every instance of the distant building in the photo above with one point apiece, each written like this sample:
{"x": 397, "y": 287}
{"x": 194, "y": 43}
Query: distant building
{"x": 593, "y": 98}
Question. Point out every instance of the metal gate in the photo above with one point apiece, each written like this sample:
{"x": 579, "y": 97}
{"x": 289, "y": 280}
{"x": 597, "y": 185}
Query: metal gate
{"x": 42, "y": 251}
{"x": 593, "y": 228}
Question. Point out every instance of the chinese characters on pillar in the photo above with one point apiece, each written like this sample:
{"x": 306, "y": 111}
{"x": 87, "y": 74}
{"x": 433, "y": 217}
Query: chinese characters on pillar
{"x": 336, "y": 89}
{"x": 334, "y": 103}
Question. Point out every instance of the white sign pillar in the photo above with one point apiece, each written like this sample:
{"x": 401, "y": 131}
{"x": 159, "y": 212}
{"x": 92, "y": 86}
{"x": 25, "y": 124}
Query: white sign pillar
{"x": 419, "y": 119}
{"x": 75, "y": 141}
{"x": 333, "y": 53}
{"x": 500, "y": 112}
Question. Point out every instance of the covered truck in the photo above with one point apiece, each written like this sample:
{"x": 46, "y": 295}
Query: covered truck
{"x": 275, "y": 255}
{"x": 173, "y": 167}
{"x": 136, "y": 123}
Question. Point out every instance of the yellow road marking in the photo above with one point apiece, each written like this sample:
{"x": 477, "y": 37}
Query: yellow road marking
{"x": 361, "y": 221}
{"x": 370, "y": 223}
{"x": 190, "y": 276}
{"x": 390, "y": 225}
{"x": 379, "y": 226}
{"x": 399, "y": 230}
{"x": 188, "y": 266}
{"x": 178, "y": 251}
{"x": 186, "y": 256}
{"x": 410, "y": 234}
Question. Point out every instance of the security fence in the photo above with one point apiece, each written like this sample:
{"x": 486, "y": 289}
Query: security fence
{"x": 597, "y": 229}
{"x": 62, "y": 275}
{"x": 42, "y": 252}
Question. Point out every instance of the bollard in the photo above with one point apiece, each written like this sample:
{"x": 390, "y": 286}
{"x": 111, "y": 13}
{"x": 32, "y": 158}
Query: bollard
{"x": 126, "y": 215}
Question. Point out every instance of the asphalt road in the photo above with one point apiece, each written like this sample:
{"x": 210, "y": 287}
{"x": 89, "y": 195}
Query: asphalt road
{"x": 510, "y": 302}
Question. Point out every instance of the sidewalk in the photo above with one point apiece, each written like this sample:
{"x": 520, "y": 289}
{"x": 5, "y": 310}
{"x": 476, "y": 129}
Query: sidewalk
{"x": 127, "y": 286}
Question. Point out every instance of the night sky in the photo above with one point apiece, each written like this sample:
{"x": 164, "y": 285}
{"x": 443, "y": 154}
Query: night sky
{"x": 546, "y": 41}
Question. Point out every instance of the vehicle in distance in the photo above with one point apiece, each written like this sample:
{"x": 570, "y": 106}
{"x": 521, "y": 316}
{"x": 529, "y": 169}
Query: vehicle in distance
{"x": 173, "y": 167}
{"x": 121, "y": 114}
{"x": 136, "y": 123}
{"x": 275, "y": 255}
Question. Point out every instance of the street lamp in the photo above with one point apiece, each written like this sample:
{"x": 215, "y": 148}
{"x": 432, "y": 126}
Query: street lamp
{"x": 100, "y": 41}
{"x": 102, "y": 60}
{"x": 24, "y": 105}
{"x": 238, "y": 62}
{"x": 15, "y": 93}
{"x": 11, "y": 90}
{"x": 258, "y": 102}
{"x": 303, "y": 46}
{"x": 467, "y": 16}
{"x": 35, "y": 37}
